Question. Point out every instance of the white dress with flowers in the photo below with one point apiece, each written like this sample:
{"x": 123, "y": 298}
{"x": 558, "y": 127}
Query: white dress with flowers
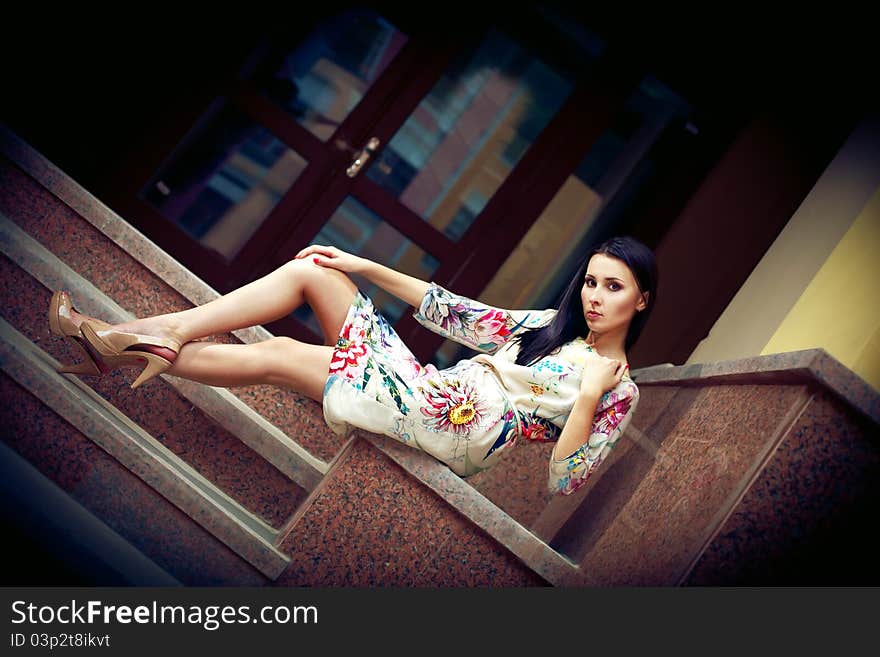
{"x": 468, "y": 414}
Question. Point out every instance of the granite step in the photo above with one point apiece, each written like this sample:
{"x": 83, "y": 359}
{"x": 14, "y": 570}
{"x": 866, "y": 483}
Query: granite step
{"x": 242, "y": 531}
{"x": 219, "y": 404}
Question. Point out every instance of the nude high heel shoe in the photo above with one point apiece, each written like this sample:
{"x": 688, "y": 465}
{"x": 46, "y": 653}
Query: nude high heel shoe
{"x": 62, "y": 324}
{"x": 117, "y": 349}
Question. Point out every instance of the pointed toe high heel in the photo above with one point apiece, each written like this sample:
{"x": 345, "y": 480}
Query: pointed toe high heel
{"x": 117, "y": 349}
{"x": 62, "y": 324}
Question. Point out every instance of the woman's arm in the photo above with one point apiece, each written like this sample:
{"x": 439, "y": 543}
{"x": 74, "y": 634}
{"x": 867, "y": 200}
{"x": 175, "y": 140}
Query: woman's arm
{"x": 403, "y": 286}
{"x": 598, "y": 417}
{"x": 577, "y": 427}
{"x": 570, "y": 471}
{"x": 600, "y": 375}
{"x": 466, "y": 321}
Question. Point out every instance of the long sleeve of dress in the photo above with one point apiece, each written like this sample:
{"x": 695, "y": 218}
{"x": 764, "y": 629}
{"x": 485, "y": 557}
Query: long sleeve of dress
{"x": 613, "y": 415}
{"x": 472, "y": 323}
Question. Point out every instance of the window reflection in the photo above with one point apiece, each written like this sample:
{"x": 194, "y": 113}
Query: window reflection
{"x": 225, "y": 180}
{"x": 320, "y": 80}
{"x": 469, "y": 132}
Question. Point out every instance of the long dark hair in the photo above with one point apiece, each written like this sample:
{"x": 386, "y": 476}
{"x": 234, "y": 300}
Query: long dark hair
{"x": 569, "y": 321}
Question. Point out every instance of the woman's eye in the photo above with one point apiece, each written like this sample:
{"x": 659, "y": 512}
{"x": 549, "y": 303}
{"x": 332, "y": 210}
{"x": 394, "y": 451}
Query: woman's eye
{"x": 614, "y": 287}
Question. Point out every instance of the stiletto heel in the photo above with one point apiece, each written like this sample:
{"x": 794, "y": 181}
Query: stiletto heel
{"x": 61, "y": 324}
{"x": 155, "y": 366}
{"x": 117, "y": 348}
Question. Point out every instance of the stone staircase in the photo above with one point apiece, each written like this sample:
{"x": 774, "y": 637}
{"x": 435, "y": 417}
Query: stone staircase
{"x": 184, "y": 483}
{"x": 244, "y": 465}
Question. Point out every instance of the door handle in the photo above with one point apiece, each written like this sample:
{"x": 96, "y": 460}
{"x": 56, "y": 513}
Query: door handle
{"x": 361, "y": 158}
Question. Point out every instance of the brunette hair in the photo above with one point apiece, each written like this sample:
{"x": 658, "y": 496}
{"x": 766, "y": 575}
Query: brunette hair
{"x": 569, "y": 322}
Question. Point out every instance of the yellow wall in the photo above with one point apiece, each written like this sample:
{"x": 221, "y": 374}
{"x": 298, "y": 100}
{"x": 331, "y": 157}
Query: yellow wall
{"x": 839, "y": 310}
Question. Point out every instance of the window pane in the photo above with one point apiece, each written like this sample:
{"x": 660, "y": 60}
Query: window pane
{"x": 320, "y": 80}
{"x": 357, "y": 229}
{"x": 469, "y": 132}
{"x": 225, "y": 180}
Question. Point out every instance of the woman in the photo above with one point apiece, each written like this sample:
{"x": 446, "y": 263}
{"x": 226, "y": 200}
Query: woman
{"x": 551, "y": 375}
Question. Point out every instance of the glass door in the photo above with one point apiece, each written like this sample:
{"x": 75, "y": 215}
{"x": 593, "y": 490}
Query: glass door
{"x": 409, "y": 145}
{"x": 425, "y": 173}
{"x": 268, "y": 143}
{"x": 416, "y": 201}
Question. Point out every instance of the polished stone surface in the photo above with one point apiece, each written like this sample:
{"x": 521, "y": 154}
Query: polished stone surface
{"x": 707, "y": 457}
{"x": 534, "y": 552}
{"x": 808, "y": 517}
{"x": 518, "y": 484}
{"x": 122, "y": 501}
{"x": 375, "y": 525}
{"x": 793, "y": 367}
{"x": 169, "y": 418}
{"x": 573, "y": 525}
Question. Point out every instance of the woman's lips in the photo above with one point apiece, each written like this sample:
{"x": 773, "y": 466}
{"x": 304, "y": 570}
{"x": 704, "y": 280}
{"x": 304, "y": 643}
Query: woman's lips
{"x": 593, "y": 314}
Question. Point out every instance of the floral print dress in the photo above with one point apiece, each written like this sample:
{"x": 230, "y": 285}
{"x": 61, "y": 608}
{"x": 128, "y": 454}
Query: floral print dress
{"x": 467, "y": 415}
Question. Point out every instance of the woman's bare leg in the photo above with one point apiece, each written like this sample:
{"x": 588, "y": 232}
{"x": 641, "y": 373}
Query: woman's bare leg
{"x": 275, "y": 295}
{"x": 279, "y": 361}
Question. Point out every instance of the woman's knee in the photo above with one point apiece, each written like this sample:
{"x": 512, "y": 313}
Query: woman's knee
{"x": 317, "y": 280}
{"x": 329, "y": 294}
{"x": 301, "y": 271}
{"x": 325, "y": 279}
{"x": 306, "y": 267}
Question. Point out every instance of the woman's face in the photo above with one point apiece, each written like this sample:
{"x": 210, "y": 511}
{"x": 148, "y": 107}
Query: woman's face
{"x": 610, "y": 290}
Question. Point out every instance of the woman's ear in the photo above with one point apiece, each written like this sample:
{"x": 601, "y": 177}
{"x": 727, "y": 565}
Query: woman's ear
{"x": 643, "y": 302}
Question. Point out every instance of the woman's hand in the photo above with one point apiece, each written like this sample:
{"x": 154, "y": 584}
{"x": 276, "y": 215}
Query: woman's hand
{"x": 600, "y": 375}
{"x": 330, "y": 256}
{"x": 401, "y": 285}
